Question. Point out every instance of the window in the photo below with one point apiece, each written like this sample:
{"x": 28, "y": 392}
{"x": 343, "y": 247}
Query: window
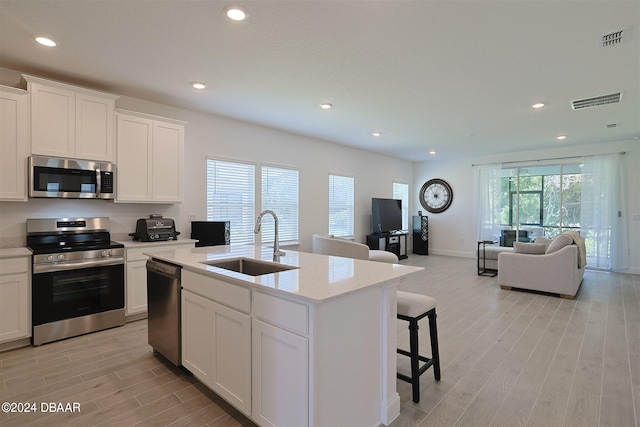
{"x": 341, "y": 205}
{"x": 231, "y": 197}
{"x": 280, "y": 194}
{"x": 401, "y": 192}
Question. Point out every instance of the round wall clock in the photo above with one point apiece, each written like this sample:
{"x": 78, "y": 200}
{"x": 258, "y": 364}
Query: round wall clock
{"x": 436, "y": 195}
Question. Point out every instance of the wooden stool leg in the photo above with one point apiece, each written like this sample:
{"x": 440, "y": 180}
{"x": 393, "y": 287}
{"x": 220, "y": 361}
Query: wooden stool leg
{"x": 435, "y": 353}
{"x": 414, "y": 350}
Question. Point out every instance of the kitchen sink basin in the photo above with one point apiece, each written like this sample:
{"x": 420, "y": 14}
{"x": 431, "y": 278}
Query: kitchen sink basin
{"x": 249, "y": 266}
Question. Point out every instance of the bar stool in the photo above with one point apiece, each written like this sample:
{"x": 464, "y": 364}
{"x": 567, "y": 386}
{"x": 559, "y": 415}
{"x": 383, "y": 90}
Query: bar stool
{"x": 413, "y": 307}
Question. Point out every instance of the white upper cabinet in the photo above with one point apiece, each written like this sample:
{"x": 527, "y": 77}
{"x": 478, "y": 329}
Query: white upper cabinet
{"x": 14, "y": 143}
{"x": 149, "y": 158}
{"x": 70, "y": 121}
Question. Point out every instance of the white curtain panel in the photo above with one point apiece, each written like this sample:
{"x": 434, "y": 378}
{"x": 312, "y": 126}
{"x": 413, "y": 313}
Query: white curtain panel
{"x": 602, "y": 221}
{"x": 487, "y": 203}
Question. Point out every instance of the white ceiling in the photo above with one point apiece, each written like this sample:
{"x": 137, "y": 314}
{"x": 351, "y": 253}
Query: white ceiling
{"x": 457, "y": 77}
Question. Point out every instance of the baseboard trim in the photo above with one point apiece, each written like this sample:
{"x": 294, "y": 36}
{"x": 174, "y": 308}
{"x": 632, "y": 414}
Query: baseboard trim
{"x": 390, "y": 410}
{"x": 458, "y": 254}
{"x": 22, "y": 342}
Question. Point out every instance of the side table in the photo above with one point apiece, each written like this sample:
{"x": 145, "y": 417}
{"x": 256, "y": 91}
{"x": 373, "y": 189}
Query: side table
{"x": 482, "y": 270}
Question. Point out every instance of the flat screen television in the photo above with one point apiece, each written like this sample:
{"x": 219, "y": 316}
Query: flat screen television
{"x": 386, "y": 215}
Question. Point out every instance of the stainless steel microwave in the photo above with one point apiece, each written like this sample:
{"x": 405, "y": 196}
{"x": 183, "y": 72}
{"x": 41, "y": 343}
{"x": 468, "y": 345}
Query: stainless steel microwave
{"x": 70, "y": 178}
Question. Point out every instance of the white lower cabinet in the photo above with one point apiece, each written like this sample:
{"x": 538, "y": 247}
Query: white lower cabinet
{"x": 260, "y": 368}
{"x": 136, "y": 275}
{"x": 197, "y": 335}
{"x": 136, "y": 296}
{"x": 280, "y": 376}
{"x": 15, "y": 315}
{"x": 287, "y": 362}
{"x": 216, "y": 341}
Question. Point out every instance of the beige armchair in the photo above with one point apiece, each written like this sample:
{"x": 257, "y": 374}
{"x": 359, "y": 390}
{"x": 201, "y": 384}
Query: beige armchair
{"x": 554, "y": 266}
{"x": 335, "y": 246}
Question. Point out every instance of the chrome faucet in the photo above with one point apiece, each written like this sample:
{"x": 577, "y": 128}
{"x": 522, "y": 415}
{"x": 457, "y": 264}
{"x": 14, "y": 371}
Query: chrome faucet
{"x": 276, "y": 244}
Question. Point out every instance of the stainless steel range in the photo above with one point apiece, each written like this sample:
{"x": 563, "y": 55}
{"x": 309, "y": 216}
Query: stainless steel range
{"x": 77, "y": 277}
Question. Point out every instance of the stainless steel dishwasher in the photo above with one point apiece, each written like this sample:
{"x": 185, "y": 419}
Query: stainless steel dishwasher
{"x": 163, "y": 299}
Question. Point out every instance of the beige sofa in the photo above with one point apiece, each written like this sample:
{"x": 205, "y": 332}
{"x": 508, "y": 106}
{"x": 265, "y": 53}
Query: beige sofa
{"x": 552, "y": 266}
{"x": 328, "y": 245}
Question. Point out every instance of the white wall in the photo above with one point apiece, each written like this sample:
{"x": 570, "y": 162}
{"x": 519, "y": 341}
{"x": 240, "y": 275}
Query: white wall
{"x": 209, "y": 135}
{"x": 452, "y": 232}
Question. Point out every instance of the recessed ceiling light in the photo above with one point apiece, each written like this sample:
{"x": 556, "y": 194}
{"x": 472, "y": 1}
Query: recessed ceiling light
{"x": 198, "y": 85}
{"x": 376, "y": 133}
{"x": 432, "y": 152}
{"x": 45, "y": 41}
{"x": 560, "y": 137}
{"x": 538, "y": 105}
{"x": 235, "y": 13}
{"x": 326, "y": 106}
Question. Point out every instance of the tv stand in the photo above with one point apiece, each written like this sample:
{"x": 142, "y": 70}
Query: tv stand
{"x": 395, "y": 242}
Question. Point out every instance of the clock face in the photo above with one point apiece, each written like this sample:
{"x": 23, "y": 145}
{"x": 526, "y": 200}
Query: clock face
{"x": 436, "y": 195}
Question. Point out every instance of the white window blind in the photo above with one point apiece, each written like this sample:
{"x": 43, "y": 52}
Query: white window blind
{"x": 231, "y": 197}
{"x": 341, "y": 205}
{"x": 280, "y": 194}
{"x": 401, "y": 192}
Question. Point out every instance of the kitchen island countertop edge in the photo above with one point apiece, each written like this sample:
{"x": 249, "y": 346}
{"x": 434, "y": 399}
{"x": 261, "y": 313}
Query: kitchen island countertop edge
{"x": 316, "y": 277}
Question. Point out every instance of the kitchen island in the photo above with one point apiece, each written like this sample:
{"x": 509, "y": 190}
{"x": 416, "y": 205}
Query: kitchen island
{"x": 313, "y": 344}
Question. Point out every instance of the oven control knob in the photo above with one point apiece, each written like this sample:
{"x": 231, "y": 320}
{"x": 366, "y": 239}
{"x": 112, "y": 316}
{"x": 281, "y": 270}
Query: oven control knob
{"x": 106, "y": 253}
{"x": 60, "y": 257}
{"x": 50, "y": 258}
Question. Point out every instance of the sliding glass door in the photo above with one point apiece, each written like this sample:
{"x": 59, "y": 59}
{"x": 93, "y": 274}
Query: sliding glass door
{"x": 541, "y": 200}
{"x": 520, "y": 203}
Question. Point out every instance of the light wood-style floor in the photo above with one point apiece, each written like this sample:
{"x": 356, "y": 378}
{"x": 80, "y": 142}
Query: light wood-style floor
{"x": 509, "y": 358}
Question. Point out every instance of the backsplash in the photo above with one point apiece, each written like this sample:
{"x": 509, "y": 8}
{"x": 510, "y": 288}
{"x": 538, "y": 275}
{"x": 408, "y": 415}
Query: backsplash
{"x": 122, "y": 216}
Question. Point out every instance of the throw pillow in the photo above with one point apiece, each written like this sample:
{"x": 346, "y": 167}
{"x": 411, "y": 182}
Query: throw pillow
{"x": 546, "y": 242}
{"x": 529, "y": 248}
{"x": 558, "y": 243}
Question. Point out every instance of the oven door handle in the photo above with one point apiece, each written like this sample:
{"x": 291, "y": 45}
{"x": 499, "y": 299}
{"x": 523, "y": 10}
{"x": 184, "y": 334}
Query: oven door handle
{"x": 63, "y": 266}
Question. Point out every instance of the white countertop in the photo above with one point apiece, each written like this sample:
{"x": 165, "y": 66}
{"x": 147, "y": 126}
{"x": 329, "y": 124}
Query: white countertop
{"x": 318, "y": 278}
{"x": 14, "y": 253}
{"x": 139, "y": 244}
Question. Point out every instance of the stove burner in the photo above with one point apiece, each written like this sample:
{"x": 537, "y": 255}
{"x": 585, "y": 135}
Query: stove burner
{"x": 53, "y": 235}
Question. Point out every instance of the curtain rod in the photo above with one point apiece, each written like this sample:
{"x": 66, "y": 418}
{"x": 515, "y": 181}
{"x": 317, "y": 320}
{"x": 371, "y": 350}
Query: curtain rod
{"x": 544, "y": 160}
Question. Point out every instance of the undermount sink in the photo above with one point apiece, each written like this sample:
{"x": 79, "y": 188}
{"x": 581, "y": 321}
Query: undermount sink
{"x": 249, "y": 266}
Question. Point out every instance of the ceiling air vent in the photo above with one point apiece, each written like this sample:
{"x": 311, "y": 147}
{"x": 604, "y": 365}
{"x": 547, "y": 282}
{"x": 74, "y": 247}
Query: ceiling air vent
{"x": 579, "y": 104}
{"x": 612, "y": 39}
{"x": 611, "y": 125}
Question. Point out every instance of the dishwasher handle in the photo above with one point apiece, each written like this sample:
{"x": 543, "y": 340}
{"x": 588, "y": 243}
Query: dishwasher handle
{"x": 163, "y": 268}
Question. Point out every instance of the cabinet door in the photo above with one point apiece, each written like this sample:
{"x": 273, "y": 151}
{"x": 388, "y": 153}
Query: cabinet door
{"x": 168, "y": 153}
{"x": 14, "y": 138}
{"x": 15, "y": 316}
{"x": 280, "y": 376}
{"x": 133, "y": 159}
{"x": 94, "y": 127}
{"x": 231, "y": 356}
{"x": 52, "y": 121}
{"x": 196, "y": 335}
{"x": 136, "y": 301}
